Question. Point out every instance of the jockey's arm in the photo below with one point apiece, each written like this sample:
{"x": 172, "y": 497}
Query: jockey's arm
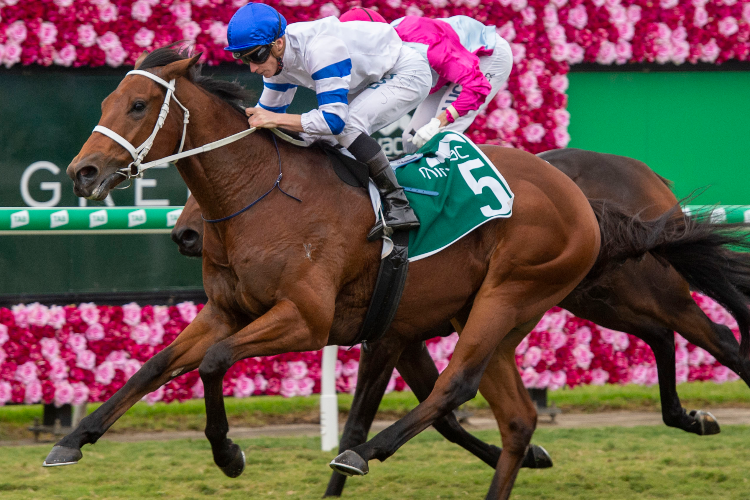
{"x": 455, "y": 63}
{"x": 263, "y": 118}
{"x": 270, "y": 112}
{"x": 443, "y": 117}
{"x": 327, "y": 61}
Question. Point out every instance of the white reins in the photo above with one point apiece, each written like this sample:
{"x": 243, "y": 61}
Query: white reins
{"x": 136, "y": 168}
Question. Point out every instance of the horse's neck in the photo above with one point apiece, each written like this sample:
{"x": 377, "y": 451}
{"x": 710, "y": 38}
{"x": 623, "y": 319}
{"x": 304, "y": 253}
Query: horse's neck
{"x": 252, "y": 254}
{"x": 229, "y": 178}
{"x": 222, "y": 179}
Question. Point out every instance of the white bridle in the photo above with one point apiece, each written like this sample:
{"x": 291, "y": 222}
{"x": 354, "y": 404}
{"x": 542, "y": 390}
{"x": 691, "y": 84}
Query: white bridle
{"x": 136, "y": 167}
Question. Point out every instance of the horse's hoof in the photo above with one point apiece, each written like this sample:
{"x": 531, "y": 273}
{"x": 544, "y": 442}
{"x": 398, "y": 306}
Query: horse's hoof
{"x": 349, "y": 464}
{"x": 707, "y": 422}
{"x": 237, "y": 465}
{"x": 62, "y": 455}
{"x": 537, "y": 458}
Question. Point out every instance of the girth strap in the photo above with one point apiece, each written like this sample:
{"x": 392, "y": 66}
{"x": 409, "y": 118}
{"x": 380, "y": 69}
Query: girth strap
{"x": 388, "y": 289}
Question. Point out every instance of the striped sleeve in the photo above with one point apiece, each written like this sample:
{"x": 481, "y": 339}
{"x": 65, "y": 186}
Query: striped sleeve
{"x": 276, "y": 97}
{"x": 327, "y": 60}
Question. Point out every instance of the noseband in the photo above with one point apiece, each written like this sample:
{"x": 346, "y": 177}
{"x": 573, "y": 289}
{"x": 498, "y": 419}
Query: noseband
{"x": 136, "y": 167}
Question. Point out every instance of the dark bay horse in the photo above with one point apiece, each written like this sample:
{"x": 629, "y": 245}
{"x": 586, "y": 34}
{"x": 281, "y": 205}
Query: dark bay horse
{"x": 268, "y": 293}
{"x": 644, "y": 298}
{"x": 649, "y": 300}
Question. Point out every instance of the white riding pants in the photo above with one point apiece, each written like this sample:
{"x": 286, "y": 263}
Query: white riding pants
{"x": 400, "y": 90}
{"x": 495, "y": 67}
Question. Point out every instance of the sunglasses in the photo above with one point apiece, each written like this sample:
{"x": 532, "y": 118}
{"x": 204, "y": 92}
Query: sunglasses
{"x": 255, "y": 55}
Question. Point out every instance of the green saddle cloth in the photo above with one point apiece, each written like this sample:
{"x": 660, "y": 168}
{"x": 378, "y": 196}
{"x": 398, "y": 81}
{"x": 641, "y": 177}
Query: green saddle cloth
{"x": 453, "y": 188}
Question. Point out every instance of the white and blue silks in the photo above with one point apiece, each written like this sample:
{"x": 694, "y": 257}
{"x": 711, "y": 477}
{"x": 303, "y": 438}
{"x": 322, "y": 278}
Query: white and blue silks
{"x": 363, "y": 76}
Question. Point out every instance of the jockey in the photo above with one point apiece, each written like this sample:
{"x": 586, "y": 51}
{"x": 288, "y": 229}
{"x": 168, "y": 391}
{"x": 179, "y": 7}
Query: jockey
{"x": 470, "y": 63}
{"x": 365, "y": 78}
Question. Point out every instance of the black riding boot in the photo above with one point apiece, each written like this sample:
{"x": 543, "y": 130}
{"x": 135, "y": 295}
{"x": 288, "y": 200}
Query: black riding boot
{"x": 398, "y": 214}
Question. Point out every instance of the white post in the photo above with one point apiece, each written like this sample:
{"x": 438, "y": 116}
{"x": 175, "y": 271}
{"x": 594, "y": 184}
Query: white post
{"x": 329, "y": 407}
{"x": 79, "y": 411}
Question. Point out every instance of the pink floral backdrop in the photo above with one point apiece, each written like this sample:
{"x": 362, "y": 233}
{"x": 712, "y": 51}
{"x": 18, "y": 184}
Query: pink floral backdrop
{"x": 75, "y": 354}
{"x": 86, "y": 352}
{"x": 546, "y": 36}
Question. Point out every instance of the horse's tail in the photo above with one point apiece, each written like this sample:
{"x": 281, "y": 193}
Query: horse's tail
{"x": 712, "y": 258}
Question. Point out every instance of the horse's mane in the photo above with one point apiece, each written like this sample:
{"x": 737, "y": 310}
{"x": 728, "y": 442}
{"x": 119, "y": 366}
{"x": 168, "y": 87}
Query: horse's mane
{"x": 231, "y": 92}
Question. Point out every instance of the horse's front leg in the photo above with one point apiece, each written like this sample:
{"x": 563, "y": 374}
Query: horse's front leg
{"x": 456, "y": 385}
{"x": 181, "y": 356}
{"x": 282, "y": 329}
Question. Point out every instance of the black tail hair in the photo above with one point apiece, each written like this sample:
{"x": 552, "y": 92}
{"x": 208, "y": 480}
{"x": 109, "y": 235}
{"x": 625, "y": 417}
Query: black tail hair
{"x": 713, "y": 258}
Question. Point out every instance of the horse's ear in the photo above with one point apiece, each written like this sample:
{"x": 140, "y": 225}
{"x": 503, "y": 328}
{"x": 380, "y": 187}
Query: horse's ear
{"x": 140, "y": 59}
{"x": 178, "y": 69}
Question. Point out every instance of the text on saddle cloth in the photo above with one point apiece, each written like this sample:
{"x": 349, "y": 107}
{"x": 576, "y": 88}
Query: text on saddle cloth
{"x": 454, "y": 188}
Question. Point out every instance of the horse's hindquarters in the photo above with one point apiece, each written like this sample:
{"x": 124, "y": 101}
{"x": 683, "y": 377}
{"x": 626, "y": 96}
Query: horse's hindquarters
{"x": 549, "y": 243}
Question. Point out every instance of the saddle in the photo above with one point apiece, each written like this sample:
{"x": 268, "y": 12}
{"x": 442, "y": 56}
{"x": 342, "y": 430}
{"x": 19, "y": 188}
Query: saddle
{"x": 350, "y": 170}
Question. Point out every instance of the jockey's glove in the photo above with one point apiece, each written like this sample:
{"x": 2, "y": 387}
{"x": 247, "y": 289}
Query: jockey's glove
{"x": 425, "y": 133}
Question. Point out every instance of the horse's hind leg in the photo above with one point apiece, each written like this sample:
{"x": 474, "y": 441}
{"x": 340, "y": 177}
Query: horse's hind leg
{"x": 514, "y": 411}
{"x": 693, "y": 324}
{"x": 651, "y": 328}
{"x": 419, "y": 371}
{"x": 375, "y": 369}
{"x": 661, "y": 341}
{"x": 650, "y": 301}
{"x": 718, "y": 340}
{"x": 626, "y": 311}
{"x": 530, "y": 272}
{"x": 456, "y": 385}
{"x": 689, "y": 320}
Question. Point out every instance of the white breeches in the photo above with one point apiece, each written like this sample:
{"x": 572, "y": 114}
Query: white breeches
{"x": 400, "y": 90}
{"x": 495, "y": 67}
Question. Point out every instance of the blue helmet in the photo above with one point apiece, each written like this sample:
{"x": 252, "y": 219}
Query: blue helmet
{"x": 254, "y": 24}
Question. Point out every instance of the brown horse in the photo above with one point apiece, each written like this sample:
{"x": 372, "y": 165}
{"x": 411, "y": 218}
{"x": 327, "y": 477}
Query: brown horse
{"x": 414, "y": 364}
{"x": 642, "y": 297}
{"x": 624, "y": 291}
{"x": 268, "y": 293}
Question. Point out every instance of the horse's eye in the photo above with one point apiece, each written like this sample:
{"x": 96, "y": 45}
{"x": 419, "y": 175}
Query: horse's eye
{"x": 138, "y": 106}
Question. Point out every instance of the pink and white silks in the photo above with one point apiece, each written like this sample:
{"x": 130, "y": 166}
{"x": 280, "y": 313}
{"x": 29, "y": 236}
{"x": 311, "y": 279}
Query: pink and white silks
{"x": 470, "y": 64}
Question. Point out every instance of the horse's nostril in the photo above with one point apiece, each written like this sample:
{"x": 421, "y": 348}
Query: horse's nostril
{"x": 188, "y": 241}
{"x": 189, "y": 237}
{"x": 87, "y": 174}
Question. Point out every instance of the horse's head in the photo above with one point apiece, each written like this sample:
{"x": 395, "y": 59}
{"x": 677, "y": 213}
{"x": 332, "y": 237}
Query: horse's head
{"x": 188, "y": 230}
{"x": 130, "y": 112}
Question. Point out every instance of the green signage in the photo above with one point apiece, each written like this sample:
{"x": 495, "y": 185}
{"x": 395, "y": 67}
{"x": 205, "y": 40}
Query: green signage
{"x": 721, "y": 214}
{"x": 692, "y": 127}
{"x": 47, "y": 116}
{"x": 115, "y": 220}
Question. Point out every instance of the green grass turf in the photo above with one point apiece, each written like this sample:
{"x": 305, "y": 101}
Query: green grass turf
{"x": 602, "y": 463}
{"x": 264, "y": 410}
